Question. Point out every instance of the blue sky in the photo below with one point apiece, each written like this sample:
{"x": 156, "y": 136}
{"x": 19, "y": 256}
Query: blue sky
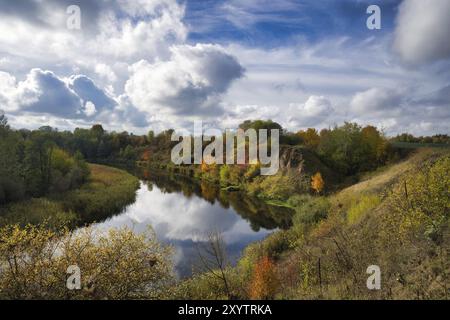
{"x": 153, "y": 64}
{"x": 277, "y": 23}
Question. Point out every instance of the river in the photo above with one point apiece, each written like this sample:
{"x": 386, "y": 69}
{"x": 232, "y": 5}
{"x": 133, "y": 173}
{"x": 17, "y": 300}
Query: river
{"x": 183, "y": 213}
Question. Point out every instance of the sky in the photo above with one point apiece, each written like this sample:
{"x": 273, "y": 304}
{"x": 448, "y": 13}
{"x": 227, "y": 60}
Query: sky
{"x": 143, "y": 65}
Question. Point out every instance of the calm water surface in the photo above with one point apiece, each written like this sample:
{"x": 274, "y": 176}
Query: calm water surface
{"x": 183, "y": 212}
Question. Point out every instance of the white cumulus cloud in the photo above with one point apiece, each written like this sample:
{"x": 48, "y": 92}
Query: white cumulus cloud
{"x": 376, "y": 100}
{"x": 423, "y": 31}
{"x": 313, "y": 112}
{"x": 189, "y": 83}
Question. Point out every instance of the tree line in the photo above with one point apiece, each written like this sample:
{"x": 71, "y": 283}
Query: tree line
{"x": 35, "y": 163}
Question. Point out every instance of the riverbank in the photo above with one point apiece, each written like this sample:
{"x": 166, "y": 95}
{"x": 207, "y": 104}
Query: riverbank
{"x": 384, "y": 220}
{"x": 107, "y": 191}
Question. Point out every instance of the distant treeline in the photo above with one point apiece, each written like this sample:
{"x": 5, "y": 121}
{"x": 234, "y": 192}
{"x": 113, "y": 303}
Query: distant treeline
{"x": 409, "y": 138}
{"x": 35, "y": 163}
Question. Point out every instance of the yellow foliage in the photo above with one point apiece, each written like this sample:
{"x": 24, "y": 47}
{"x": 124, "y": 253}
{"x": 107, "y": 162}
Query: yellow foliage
{"x": 208, "y": 164}
{"x": 310, "y": 137}
{"x": 317, "y": 183}
{"x": 421, "y": 201}
{"x": 115, "y": 265}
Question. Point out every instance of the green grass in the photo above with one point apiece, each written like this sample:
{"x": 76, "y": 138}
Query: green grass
{"x": 107, "y": 192}
{"x": 278, "y": 203}
{"x": 361, "y": 207}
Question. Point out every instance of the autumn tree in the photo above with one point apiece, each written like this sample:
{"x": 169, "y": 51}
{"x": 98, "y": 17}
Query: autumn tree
{"x": 265, "y": 282}
{"x": 317, "y": 183}
{"x": 310, "y": 138}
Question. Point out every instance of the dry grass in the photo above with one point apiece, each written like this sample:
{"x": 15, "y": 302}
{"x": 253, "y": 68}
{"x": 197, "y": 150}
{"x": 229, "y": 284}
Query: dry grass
{"x": 390, "y": 174}
{"x": 105, "y": 175}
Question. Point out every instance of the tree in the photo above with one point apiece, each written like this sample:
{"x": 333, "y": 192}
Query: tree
{"x": 224, "y": 174}
{"x": 343, "y": 148}
{"x": 376, "y": 146}
{"x": 214, "y": 260}
{"x": 97, "y": 130}
{"x": 310, "y": 138}
{"x": 129, "y": 153}
{"x": 11, "y": 182}
{"x": 264, "y": 283}
{"x": 3, "y": 121}
{"x": 38, "y": 163}
{"x": 317, "y": 183}
{"x": 151, "y": 136}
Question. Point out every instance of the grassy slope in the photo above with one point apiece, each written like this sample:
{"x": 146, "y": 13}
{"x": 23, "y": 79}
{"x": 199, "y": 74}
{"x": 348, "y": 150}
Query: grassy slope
{"x": 358, "y": 240}
{"x": 377, "y": 182}
{"x": 386, "y": 176}
{"x": 107, "y": 192}
{"x": 345, "y": 247}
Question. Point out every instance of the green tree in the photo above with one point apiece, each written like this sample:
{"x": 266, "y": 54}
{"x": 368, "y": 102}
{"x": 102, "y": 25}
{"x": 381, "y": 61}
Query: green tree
{"x": 11, "y": 182}
{"x": 350, "y": 149}
{"x": 97, "y": 130}
{"x": 151, "y": 136}
{"x": 38, "y": 164}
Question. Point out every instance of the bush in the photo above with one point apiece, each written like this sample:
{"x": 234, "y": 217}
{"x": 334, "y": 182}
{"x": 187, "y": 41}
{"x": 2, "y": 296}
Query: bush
{"x": 67, "y": 172}
{"x": 265, "y": 283}
{"x": 308, "y": 209}
{"x": 37, "y": 211}
{"x": 280, "y": 186}
{"x": 207, "y": 286}
{"x": 115, "y": 265}
{"x": 62, "y": 161}
{"x": 420, "y": 203}
{"x": 253, "y": 171}
{"x": 224, "y": 174}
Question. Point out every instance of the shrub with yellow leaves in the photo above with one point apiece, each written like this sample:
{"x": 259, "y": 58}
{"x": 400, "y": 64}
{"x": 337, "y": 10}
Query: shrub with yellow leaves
{"x": 118, "y": 264}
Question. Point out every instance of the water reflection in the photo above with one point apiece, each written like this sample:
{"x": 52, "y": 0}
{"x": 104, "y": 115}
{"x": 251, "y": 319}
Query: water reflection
{"x": 183, "y": 212}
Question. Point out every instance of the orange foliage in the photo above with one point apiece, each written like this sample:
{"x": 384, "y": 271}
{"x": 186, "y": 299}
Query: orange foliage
{"x": 317, "y": 183}
{"x": 265, "y": 281}
{"x": 145, "y": 155}
{"x": 205, "y": 167}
